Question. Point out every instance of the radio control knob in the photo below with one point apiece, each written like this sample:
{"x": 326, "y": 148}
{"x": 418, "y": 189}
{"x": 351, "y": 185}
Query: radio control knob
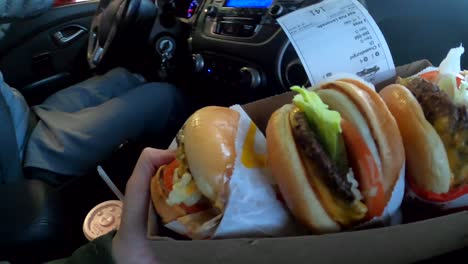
{"x": 198, "y": 62}
{"x": 250, "y": 77}
{"x": 211, "y": 11}
{"x": 276, "y": 10}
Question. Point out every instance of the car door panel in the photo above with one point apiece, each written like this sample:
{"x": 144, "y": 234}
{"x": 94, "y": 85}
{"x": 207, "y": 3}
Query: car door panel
{"x": 33, "y": 57}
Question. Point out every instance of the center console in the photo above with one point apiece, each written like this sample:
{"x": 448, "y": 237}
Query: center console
{"x": 245, "y": 19}
{"x": 238, "y": 18}
{"x": 237, "y": 43}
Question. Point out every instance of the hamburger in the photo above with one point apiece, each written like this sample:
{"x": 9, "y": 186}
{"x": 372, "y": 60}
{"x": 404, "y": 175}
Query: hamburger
{"x": 193, "y": 189}
{"x": 336, "y": 154}
{"x": 431, "y": 112}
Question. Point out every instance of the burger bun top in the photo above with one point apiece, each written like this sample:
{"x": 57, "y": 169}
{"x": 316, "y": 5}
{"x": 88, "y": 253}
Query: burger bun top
{"x": 209, "y": 138}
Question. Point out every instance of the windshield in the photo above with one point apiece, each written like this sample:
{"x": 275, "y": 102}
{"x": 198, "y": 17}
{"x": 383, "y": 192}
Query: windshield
{"x": 421, "y": 29}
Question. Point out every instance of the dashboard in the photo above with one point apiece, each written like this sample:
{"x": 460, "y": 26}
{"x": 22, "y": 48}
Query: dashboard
{"x": 187, "y": 8}
{"x": 242, "y": 47}
{"x": 248, "y": 3}
{"x": 239, "y": 46}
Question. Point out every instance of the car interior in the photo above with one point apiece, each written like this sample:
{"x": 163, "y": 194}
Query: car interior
{"x": 213, "y": 54}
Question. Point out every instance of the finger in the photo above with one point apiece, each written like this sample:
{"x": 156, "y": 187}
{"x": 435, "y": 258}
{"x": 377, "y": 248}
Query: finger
{"x": 137, "y": 194}
{"x": 150, "y": 160}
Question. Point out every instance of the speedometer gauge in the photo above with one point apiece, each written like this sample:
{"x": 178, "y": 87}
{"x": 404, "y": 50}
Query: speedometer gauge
{"x": 192, "y": 8}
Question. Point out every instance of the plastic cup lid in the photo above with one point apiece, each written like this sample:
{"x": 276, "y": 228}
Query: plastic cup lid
{"x": 102, "y": 219}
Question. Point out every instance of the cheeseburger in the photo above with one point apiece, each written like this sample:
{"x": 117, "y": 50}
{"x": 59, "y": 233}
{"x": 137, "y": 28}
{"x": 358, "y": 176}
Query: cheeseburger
{"x": 336, "y": 154}
{"x": 193, "y": 189}
{"x": 431, "y": 112}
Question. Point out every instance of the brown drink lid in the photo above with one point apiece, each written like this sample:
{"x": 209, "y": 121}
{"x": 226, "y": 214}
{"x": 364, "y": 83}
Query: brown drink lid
{"x": 102, "y": 219}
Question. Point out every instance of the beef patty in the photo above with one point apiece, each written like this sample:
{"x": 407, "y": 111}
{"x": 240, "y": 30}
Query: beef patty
{"x": 436, "y": 103}
{"x": 307, "y": 140}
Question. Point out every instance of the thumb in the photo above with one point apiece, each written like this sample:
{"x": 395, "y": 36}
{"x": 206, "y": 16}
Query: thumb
{"x": 137, "y": 193}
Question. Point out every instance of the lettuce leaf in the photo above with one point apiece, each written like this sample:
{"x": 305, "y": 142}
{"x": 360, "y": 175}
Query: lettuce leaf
{"x": 448, "y": 84}
{"x": 326, "y": 123}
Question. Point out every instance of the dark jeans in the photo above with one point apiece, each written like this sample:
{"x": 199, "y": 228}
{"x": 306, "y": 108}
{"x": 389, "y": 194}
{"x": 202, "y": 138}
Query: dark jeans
{"x": 81, "y": 125}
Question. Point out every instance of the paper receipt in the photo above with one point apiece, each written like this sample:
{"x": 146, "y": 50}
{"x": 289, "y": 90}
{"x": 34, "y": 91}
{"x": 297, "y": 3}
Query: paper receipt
{"x": 338, "y": 36}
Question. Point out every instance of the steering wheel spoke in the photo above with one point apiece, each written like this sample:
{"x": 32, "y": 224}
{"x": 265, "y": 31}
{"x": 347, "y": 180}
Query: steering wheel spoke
{"x": 94, "y": 47}
{"x": 106, "y": 23}
{"x": 97, "y": 55}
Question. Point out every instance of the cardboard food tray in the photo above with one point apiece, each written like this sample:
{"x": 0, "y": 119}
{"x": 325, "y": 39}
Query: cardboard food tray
{"x": 401, "y": 243}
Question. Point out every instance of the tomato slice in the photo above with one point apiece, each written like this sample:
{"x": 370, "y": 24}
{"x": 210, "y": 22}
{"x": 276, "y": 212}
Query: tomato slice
{"x": 452, "y": 194}
{"x": 433, "y": 75}
{"x": 168, "y": 175}
{"x": 365, "y": 170}
{"x": 194, "y": 208}
{"x": 430, "y": 76}
{"x": 168, "y": 178}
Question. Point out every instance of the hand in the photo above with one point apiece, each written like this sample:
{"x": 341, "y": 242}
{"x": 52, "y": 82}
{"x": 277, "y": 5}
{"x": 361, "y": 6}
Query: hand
{"x": 130, "y": 244}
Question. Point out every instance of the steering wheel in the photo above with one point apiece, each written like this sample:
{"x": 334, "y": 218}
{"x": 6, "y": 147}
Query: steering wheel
{"x": 111, "y": 17}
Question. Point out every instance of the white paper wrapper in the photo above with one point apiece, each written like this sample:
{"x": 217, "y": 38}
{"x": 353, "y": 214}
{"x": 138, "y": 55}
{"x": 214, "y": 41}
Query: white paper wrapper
{"x": 391, "y": 214}
{"x": 253, "y": 209}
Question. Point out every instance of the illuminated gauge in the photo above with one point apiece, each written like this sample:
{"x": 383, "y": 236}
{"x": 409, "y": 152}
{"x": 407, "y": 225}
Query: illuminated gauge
{"x": 192, "y": 8}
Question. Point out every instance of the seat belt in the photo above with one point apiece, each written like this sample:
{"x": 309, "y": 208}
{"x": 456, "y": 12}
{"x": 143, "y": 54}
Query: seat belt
{"x": 10, "y": 164}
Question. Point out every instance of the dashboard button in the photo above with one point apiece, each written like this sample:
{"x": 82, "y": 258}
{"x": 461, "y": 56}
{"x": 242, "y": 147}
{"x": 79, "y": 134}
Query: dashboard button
{"x": 276, "y": 10}
{"x": 211, "y": 11}
{"x": 250, "y": 77}
{"x": 228, "y": 28}
{"x": 247, "y": 30}
{"x": 198, "y": 62}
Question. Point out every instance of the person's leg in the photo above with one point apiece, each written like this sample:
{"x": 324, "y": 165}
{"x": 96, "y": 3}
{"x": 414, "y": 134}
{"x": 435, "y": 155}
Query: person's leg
{"x": 72, "y": 143}
{"x": 92, "y": 92}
